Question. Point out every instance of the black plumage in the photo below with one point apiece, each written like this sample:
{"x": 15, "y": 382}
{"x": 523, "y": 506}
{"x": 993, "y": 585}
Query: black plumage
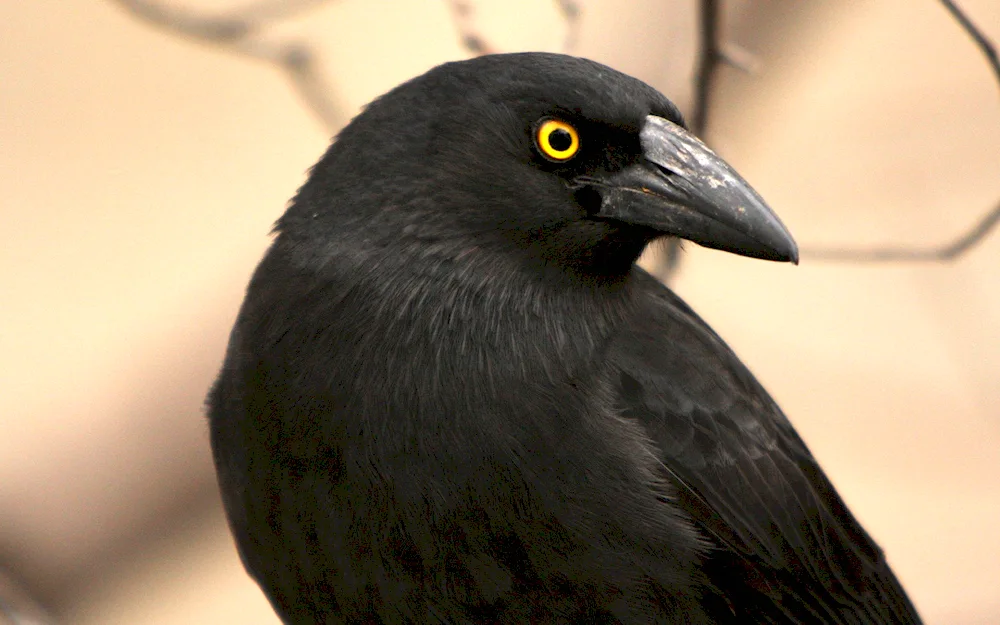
{"x": 451, "y": 397}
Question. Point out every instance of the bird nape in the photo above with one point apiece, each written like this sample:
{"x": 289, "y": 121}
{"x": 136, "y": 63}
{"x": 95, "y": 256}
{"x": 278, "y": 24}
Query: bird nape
{"x": 451, "y": 396}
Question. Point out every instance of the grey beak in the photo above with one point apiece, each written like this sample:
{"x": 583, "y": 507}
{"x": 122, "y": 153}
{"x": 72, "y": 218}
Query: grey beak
{"x": 684, "y": 189}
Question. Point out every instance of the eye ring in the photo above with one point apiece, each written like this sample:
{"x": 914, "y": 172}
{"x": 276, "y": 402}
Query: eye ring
{"x": 557, "y": 140}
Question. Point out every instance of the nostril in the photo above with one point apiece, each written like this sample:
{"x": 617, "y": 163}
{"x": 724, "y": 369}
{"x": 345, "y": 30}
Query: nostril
{"x": 589, "y": 198}
{"x": 663, "y": 170}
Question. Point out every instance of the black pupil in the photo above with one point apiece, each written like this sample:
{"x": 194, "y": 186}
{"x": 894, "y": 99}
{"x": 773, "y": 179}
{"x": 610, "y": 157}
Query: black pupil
{"x": 560, "y": 140}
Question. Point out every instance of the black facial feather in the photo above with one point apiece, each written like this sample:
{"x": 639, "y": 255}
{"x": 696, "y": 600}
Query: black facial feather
{"x": 450, "y": 397}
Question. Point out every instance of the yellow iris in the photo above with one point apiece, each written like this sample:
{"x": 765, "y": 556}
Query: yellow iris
{"x": 557, "y": 140}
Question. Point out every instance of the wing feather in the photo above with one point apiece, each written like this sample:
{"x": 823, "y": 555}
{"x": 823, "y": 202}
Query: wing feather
{"x": 788, "y": 550}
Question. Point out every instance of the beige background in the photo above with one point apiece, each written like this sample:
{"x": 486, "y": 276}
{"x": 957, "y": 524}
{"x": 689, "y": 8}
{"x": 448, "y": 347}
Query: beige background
{"x": 140, "y": 174}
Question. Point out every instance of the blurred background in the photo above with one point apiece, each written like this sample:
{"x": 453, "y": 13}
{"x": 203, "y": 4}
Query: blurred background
{"x": 141, "y": 171}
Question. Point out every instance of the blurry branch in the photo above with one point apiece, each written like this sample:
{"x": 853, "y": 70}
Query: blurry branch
{"x": 984, "y": 44}
{"x": 948, "y": 251}
{"x": 712, "y": 51}
{"x": 973, "y": 235}
{"x": 462, "y": 12}
{"x": 16, "y": 606}
{"x": 224, "y": 29}
{"x": 238, "y": 32}
{"x": 709, "y": 56}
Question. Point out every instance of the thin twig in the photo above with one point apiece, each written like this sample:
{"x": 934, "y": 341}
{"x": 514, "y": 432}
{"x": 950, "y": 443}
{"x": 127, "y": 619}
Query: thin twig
{"x": 984, "y": 44}
{"x": 236, "y": 33}
{"x": 949, "y": 251}
{"x": 216, "y": 29}
{"x": 709, "y": 56}
{"x": 973, "y": 235}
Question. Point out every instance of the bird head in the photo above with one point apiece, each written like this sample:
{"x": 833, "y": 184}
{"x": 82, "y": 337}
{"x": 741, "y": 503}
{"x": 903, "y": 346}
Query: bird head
{"x": 551, "y": 159}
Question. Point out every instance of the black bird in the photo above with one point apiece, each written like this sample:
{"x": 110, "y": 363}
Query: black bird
{"x": 451, "y": 396}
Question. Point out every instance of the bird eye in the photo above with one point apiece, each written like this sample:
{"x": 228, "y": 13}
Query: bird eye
{"x": 557, "y": 140}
